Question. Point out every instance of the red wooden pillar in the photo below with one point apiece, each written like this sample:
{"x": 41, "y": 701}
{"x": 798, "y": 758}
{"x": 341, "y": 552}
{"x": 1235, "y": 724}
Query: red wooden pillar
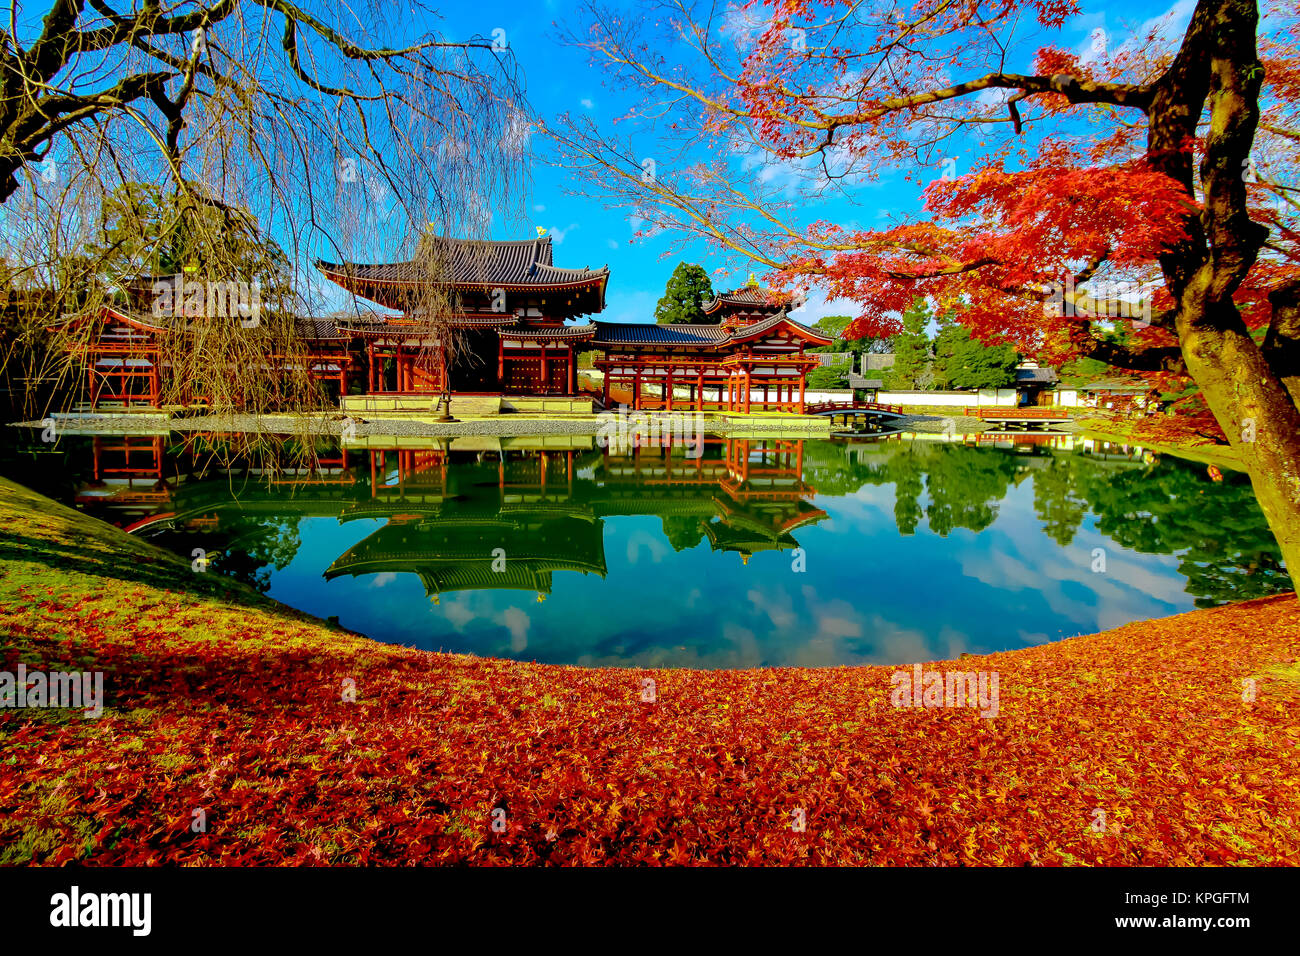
{"x": 501, "y": 362}
{"x": 636, "y": 389}
{"x": 803, "y": 381}
{"x": 573, "y": 371}
{"x": 543, "y": 384}
{"x": 604, "y": 388}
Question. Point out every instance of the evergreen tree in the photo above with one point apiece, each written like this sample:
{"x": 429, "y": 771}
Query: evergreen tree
{"x": 684, "y": 297}
{"x": 911, "y": 367}
{"x": 948, "y": 344}
{"x": 962, "y": 362}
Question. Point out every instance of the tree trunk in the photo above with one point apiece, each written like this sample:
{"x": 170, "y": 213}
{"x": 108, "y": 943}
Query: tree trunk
{"x": 1257, "y": 415}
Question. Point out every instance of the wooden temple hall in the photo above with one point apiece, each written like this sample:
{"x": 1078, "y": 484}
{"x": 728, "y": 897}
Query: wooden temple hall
{"x": 521, "y": 324}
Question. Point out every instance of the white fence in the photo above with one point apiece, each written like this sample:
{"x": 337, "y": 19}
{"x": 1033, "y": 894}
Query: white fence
{"x": 997, "y": 397}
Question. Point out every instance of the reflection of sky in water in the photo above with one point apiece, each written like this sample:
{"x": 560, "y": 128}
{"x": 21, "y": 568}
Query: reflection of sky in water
{"x": 869, "y": 594}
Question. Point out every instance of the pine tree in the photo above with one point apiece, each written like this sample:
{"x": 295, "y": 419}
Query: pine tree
{"x": 911, "y": 350}
{"x": 962, "y": 362}
{"x": 684, "y": 297}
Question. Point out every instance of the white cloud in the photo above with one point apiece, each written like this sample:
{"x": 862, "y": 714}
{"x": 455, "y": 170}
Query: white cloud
{"x": 587, "y": 104}
{"x": 816, "y": 306}
{"x": 557, "y": 234}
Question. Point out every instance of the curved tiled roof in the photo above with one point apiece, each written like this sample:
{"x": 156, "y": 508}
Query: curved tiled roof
{"x": 749, "y": 296}
{"x": 313, "y": 328}
{"x": 487, "y": 320}
{"x": 647, "y": 333}
{"x": 473, "y": 263}
{"x": 585, "y": 331}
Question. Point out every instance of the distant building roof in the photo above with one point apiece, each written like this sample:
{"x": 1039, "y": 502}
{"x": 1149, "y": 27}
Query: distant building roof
{"x": 1036, "y": 376}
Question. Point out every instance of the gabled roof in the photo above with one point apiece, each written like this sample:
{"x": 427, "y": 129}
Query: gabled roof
{"x": 747, "y": 332}
{"x": 699, "y": 336}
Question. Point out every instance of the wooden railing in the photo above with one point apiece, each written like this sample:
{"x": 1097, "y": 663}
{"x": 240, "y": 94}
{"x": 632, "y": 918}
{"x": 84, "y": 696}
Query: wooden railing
{"x": 819, "y": 408}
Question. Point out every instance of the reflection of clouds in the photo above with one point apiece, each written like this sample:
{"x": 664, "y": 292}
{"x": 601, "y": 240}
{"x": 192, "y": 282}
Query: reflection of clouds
{"x": 1131, "y": 588}
{"x": 653, "y": 544}
{"x": 777, "y": 604}
{"x": 868, "y": 510}
{"x": 871, "y": 595}
{"x": 838, "y": 619}
{"x": 458, "y": 612}
{"x": 462, "y": 610}
{"x": 516, "y": 622}
{"x": 744, "y": 646}
{"x": 893, "y": 643}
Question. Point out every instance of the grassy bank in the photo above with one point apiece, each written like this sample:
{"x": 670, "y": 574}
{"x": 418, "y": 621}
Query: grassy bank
{"x": 1129, "y": 432}
{"x": 1130, "y": 746}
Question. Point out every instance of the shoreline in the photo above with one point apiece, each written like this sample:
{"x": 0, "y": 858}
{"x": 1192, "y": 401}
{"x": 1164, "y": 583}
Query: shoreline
{"x": 221, "y": 698}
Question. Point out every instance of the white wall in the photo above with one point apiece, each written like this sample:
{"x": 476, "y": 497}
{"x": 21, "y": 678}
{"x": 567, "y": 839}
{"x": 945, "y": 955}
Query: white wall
{"x": 812, "y": 396}
{"x": 984, "y": 396}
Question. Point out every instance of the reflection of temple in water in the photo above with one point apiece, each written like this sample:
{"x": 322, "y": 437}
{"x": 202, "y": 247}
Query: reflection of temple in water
{"x": 465, "y": 515}
{"x": 748, "y": 496}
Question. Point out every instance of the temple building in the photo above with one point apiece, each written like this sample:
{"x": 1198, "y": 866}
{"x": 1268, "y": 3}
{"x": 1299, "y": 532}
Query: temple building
{"x": 510, "y": 304}
{"x": 497, "y": 319}
{"x": 751, "y": 359}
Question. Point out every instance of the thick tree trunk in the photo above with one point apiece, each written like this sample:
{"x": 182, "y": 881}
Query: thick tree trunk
{"x": 1217, "y": 68}
{"x": 1258, "y": 417}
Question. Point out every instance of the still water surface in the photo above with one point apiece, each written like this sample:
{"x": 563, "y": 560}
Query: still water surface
{"x": 757, "y": 553}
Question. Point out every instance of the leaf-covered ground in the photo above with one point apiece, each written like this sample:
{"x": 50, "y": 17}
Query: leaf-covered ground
{"x": 223, "y": 702}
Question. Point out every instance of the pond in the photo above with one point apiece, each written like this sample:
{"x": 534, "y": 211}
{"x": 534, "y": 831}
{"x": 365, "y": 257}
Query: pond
{"x": 755, "y": 552}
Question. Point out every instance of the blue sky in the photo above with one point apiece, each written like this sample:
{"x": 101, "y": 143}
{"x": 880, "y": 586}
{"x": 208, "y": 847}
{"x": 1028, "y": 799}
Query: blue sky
{"x": 561, "y": 79}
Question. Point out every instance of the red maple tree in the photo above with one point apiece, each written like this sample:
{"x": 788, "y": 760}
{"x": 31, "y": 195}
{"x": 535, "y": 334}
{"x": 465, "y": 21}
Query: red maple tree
{"x": 1149, "y": 181}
